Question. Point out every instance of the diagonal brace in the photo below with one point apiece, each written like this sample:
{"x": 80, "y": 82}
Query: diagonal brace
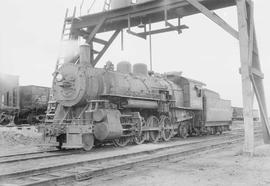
{"x": 214, "y": 17}
{"x": 100, "y": 54}
{"x": 95, "y": 30}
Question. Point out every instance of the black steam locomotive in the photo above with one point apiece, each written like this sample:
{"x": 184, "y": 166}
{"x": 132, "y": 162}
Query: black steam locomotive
{"x": 99, "y": 105}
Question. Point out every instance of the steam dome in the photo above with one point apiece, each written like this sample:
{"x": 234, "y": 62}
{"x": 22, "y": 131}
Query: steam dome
{"x": 140, "y": 69}
{"x": 124, "y": 67}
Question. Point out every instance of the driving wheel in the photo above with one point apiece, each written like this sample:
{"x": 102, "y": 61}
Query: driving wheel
{"x": 140, "y": 135}
{"x": 167, "y": 130}
{"x": 183, "y": 130}
{"x": 87, "y": 141}
{"x": 121, "y": 142}
{"x": 154, "y": 134}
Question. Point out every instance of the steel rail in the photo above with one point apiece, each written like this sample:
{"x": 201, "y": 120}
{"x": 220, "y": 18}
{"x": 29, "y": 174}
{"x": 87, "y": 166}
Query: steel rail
{"x": 34, "y": 155}
{"x": 52, "y": 153}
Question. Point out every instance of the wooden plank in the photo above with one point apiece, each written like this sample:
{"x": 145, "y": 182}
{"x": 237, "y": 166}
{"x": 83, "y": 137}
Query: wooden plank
{"x": 214, "y": 17}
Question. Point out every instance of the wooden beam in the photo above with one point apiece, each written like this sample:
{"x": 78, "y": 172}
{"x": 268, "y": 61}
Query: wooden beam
{"x": 256, "y": 72}
{"x": 259, "y": 91}
{"x": 261, "y": 106}
{"x": 247, "y": 89}
{"x": 105, "y": 47}
{"x": 96, "y": 29}
{"x": 256, "y": 75}
{"x": 100, "y": 41}
{"x": 116, "y": 19}
{"x": 95, "y": 51}
{"x": 169, "y": 29}
{"x": 214, "y": 17}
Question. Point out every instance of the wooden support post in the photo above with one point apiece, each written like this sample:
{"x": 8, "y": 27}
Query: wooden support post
{"x": 251, "y": 74}
{"x": 247, "y": 89}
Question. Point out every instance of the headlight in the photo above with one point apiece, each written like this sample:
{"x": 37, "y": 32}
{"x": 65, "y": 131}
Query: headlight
{"x": 59, "y": 77}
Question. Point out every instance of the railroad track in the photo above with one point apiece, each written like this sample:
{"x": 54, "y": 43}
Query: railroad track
{"x": 52, "y": 153}
{"x": 34, "y": 155}
{"x": 81, "y": 170}
{"x": 49, "y": 154}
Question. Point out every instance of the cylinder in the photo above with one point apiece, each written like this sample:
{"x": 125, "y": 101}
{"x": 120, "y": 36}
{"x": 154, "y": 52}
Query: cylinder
{"x": 99, "y": 115}
{"x": 104, "y": 131}
{"x": 110, "y": 128}
{"x": 85, "y": 54}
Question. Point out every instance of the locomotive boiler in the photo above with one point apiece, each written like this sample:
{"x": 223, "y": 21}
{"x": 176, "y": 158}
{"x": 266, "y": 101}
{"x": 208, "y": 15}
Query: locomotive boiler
{"x": 129, "y": 104}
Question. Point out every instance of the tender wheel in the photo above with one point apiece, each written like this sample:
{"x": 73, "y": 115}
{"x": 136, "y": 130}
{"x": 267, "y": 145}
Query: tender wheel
{"x": 121, "y": 142}
{"x": 30, "y": 118}
{"x": 153, "y": 122}
{"x": 87, "y": 141}
{"x": 220, "y": 130}
{"x": 140, "y": 135}
{"x": 60, "y": 140}
{"x": 214, "y": 130}
{"x": 59, "y": 147}
{"x": 183, "y": 130}
{"x": 197, "y": 132}
{"x": 167, "y": 128}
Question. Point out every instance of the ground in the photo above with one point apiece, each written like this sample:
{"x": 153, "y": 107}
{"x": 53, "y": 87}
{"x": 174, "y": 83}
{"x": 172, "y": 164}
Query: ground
{"x": 225, "y": 167}
{"x": 19, "y": 140}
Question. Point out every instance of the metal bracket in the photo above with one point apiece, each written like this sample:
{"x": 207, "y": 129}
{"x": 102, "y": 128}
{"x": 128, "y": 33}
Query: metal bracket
{"x": 168, "y": 24}
{"x": 134, "y": 33}
{"x": 169, "y": 27}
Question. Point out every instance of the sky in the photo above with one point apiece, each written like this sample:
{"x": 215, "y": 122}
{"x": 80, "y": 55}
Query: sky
{"x": 30, "y": 43}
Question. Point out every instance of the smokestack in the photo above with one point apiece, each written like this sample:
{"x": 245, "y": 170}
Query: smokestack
{"x": 85, "y": 54}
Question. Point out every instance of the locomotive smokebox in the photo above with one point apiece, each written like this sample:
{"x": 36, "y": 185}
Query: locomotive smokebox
{"x": 85, "y": 55}
{"x": 71, "y": 88}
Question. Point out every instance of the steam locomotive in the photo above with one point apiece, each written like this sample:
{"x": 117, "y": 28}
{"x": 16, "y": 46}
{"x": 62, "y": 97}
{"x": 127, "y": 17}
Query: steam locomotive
{"x": 99, "y": 105}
